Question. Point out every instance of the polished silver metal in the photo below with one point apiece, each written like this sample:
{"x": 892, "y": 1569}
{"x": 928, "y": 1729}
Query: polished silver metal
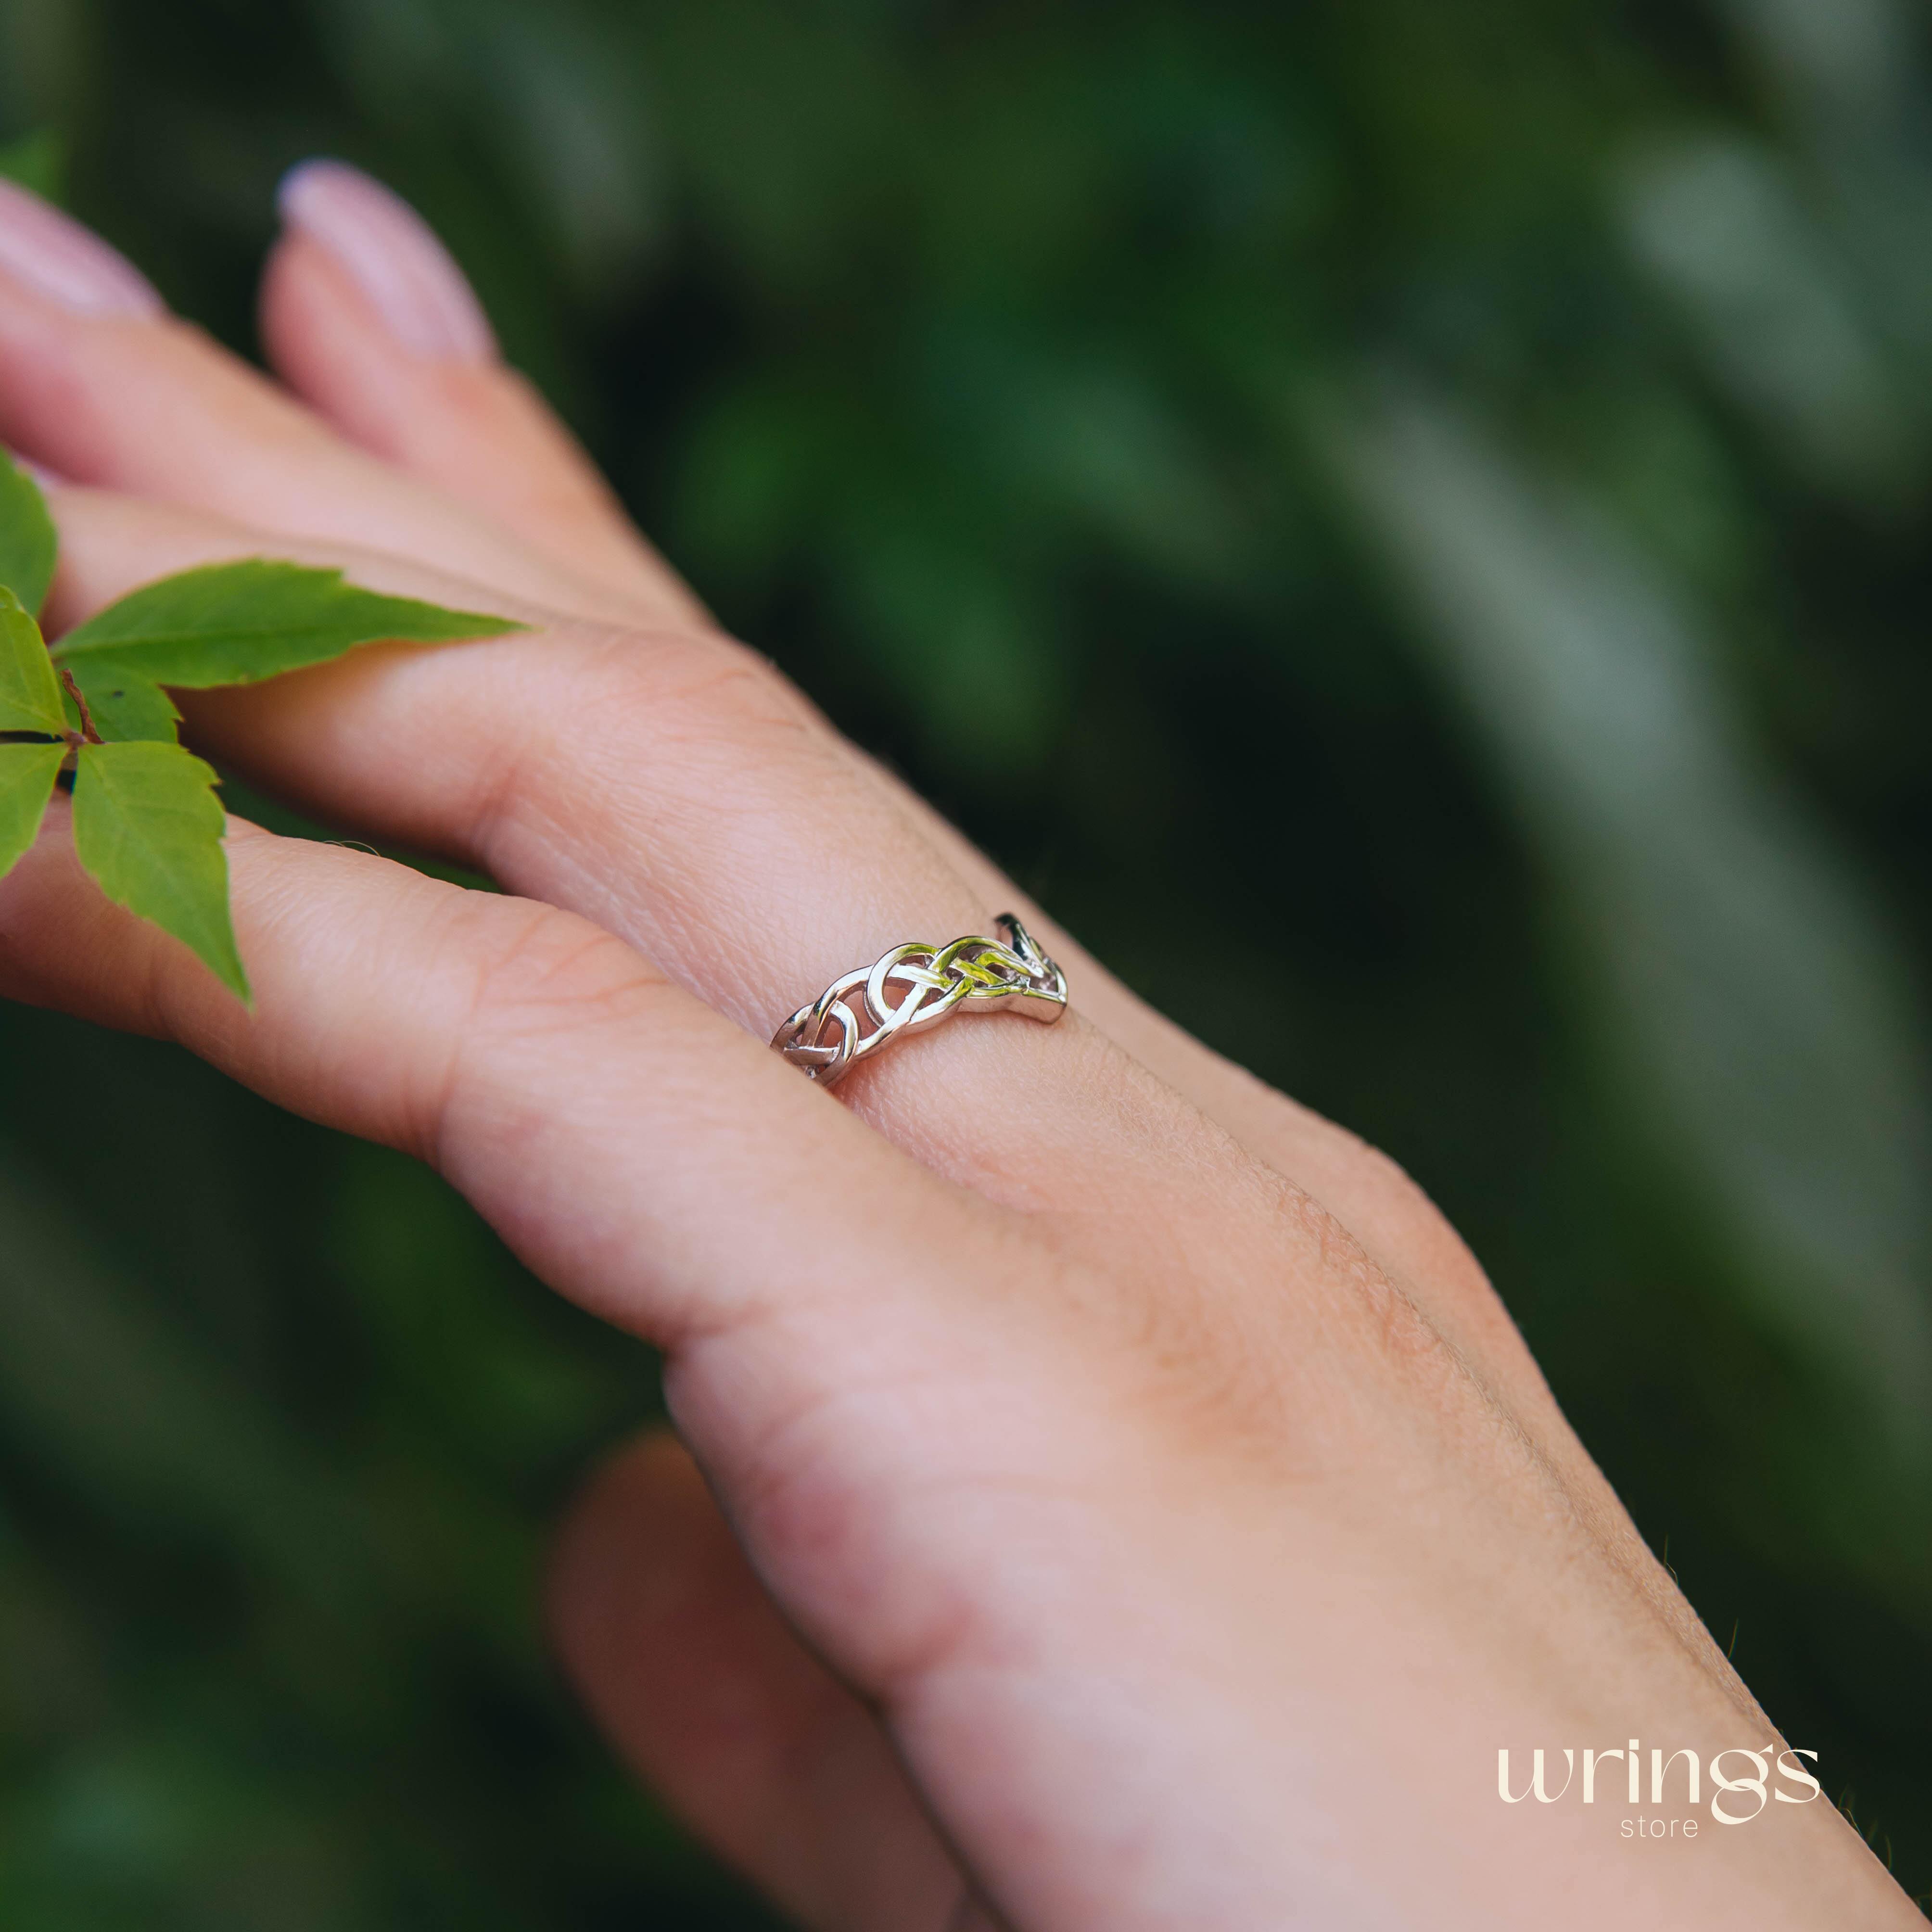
{"x": 856, "y": 1015}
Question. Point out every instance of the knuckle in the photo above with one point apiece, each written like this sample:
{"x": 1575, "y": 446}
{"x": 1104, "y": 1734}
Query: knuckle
{"x": 1280, "y": 1357}
{"x": 1401, "y": 1225}
{"x": 674, "y": 691}
{"x": 574, "y": 709}
{"x": 656, "y": 725}
{"x": 702, "y": 686}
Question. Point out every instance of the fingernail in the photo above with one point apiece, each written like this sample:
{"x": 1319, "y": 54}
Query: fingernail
{"x": 71, "y": 264}
{"x": 392, "y": 255}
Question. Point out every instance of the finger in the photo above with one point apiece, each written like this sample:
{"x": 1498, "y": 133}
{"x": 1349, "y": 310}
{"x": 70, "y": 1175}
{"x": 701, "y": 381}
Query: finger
{"x": 710, "y": 1696}
{"x": 97, "y": 384}
{"x": 366, "y": 317}
{"x": 640, "y": 1152}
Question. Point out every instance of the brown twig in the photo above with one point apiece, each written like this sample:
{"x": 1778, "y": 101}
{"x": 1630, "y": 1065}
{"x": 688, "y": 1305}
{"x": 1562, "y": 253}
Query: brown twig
{"x": 92, "y": 736}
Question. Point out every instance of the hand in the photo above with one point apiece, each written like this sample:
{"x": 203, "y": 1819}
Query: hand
{"x": 1108, "y": 1496}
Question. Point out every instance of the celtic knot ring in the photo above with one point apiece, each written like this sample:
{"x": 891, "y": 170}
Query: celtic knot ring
{"x": 857, "y": 1015}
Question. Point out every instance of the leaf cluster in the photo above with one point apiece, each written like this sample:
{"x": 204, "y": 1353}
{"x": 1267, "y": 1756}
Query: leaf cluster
{"x": 94, "y": 710}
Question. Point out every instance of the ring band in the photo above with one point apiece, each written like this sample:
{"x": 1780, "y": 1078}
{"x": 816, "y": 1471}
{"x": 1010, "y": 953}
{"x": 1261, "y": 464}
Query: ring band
{"x": 854, "y": 1017}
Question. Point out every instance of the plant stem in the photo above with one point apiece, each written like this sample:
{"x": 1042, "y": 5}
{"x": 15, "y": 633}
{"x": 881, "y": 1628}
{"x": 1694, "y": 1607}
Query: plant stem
{"x": 92, "y": 736}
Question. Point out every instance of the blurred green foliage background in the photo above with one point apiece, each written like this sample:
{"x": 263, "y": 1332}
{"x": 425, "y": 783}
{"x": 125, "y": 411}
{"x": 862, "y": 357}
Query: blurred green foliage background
{"x": 1435, "y": 494}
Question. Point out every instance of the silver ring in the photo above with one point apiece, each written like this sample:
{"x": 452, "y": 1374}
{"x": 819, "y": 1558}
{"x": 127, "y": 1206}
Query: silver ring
{"x": 856, "y": 1015}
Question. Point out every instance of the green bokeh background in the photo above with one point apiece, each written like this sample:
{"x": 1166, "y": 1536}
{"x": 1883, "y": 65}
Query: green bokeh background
{"x": 1430, "y": 497}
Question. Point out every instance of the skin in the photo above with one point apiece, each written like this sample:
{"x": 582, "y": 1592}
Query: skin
{"x": 1104, "y": 1495}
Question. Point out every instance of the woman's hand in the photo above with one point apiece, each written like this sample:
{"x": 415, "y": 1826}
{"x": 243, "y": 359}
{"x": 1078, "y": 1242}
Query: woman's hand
{"x": 1124, "y": 1503}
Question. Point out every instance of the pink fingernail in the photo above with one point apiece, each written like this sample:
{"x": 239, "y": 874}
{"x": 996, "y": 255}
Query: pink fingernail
{"x": 392, "y": 255}
{"x": 55, "y": 255}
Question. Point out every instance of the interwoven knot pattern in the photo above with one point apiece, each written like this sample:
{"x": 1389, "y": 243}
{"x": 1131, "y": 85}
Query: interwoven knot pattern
{"x": 858, "y": 1015}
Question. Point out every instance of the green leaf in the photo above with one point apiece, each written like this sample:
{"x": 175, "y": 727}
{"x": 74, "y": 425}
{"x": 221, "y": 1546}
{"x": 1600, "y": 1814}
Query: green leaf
{"x": 147, "y": 826}
{"x": 27, "y": 774}
{"x": 27, "y": 543}
{"x": 127, "y": 709}
{"x": 236, "y": 623}
{"x": 30, "y": 688}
